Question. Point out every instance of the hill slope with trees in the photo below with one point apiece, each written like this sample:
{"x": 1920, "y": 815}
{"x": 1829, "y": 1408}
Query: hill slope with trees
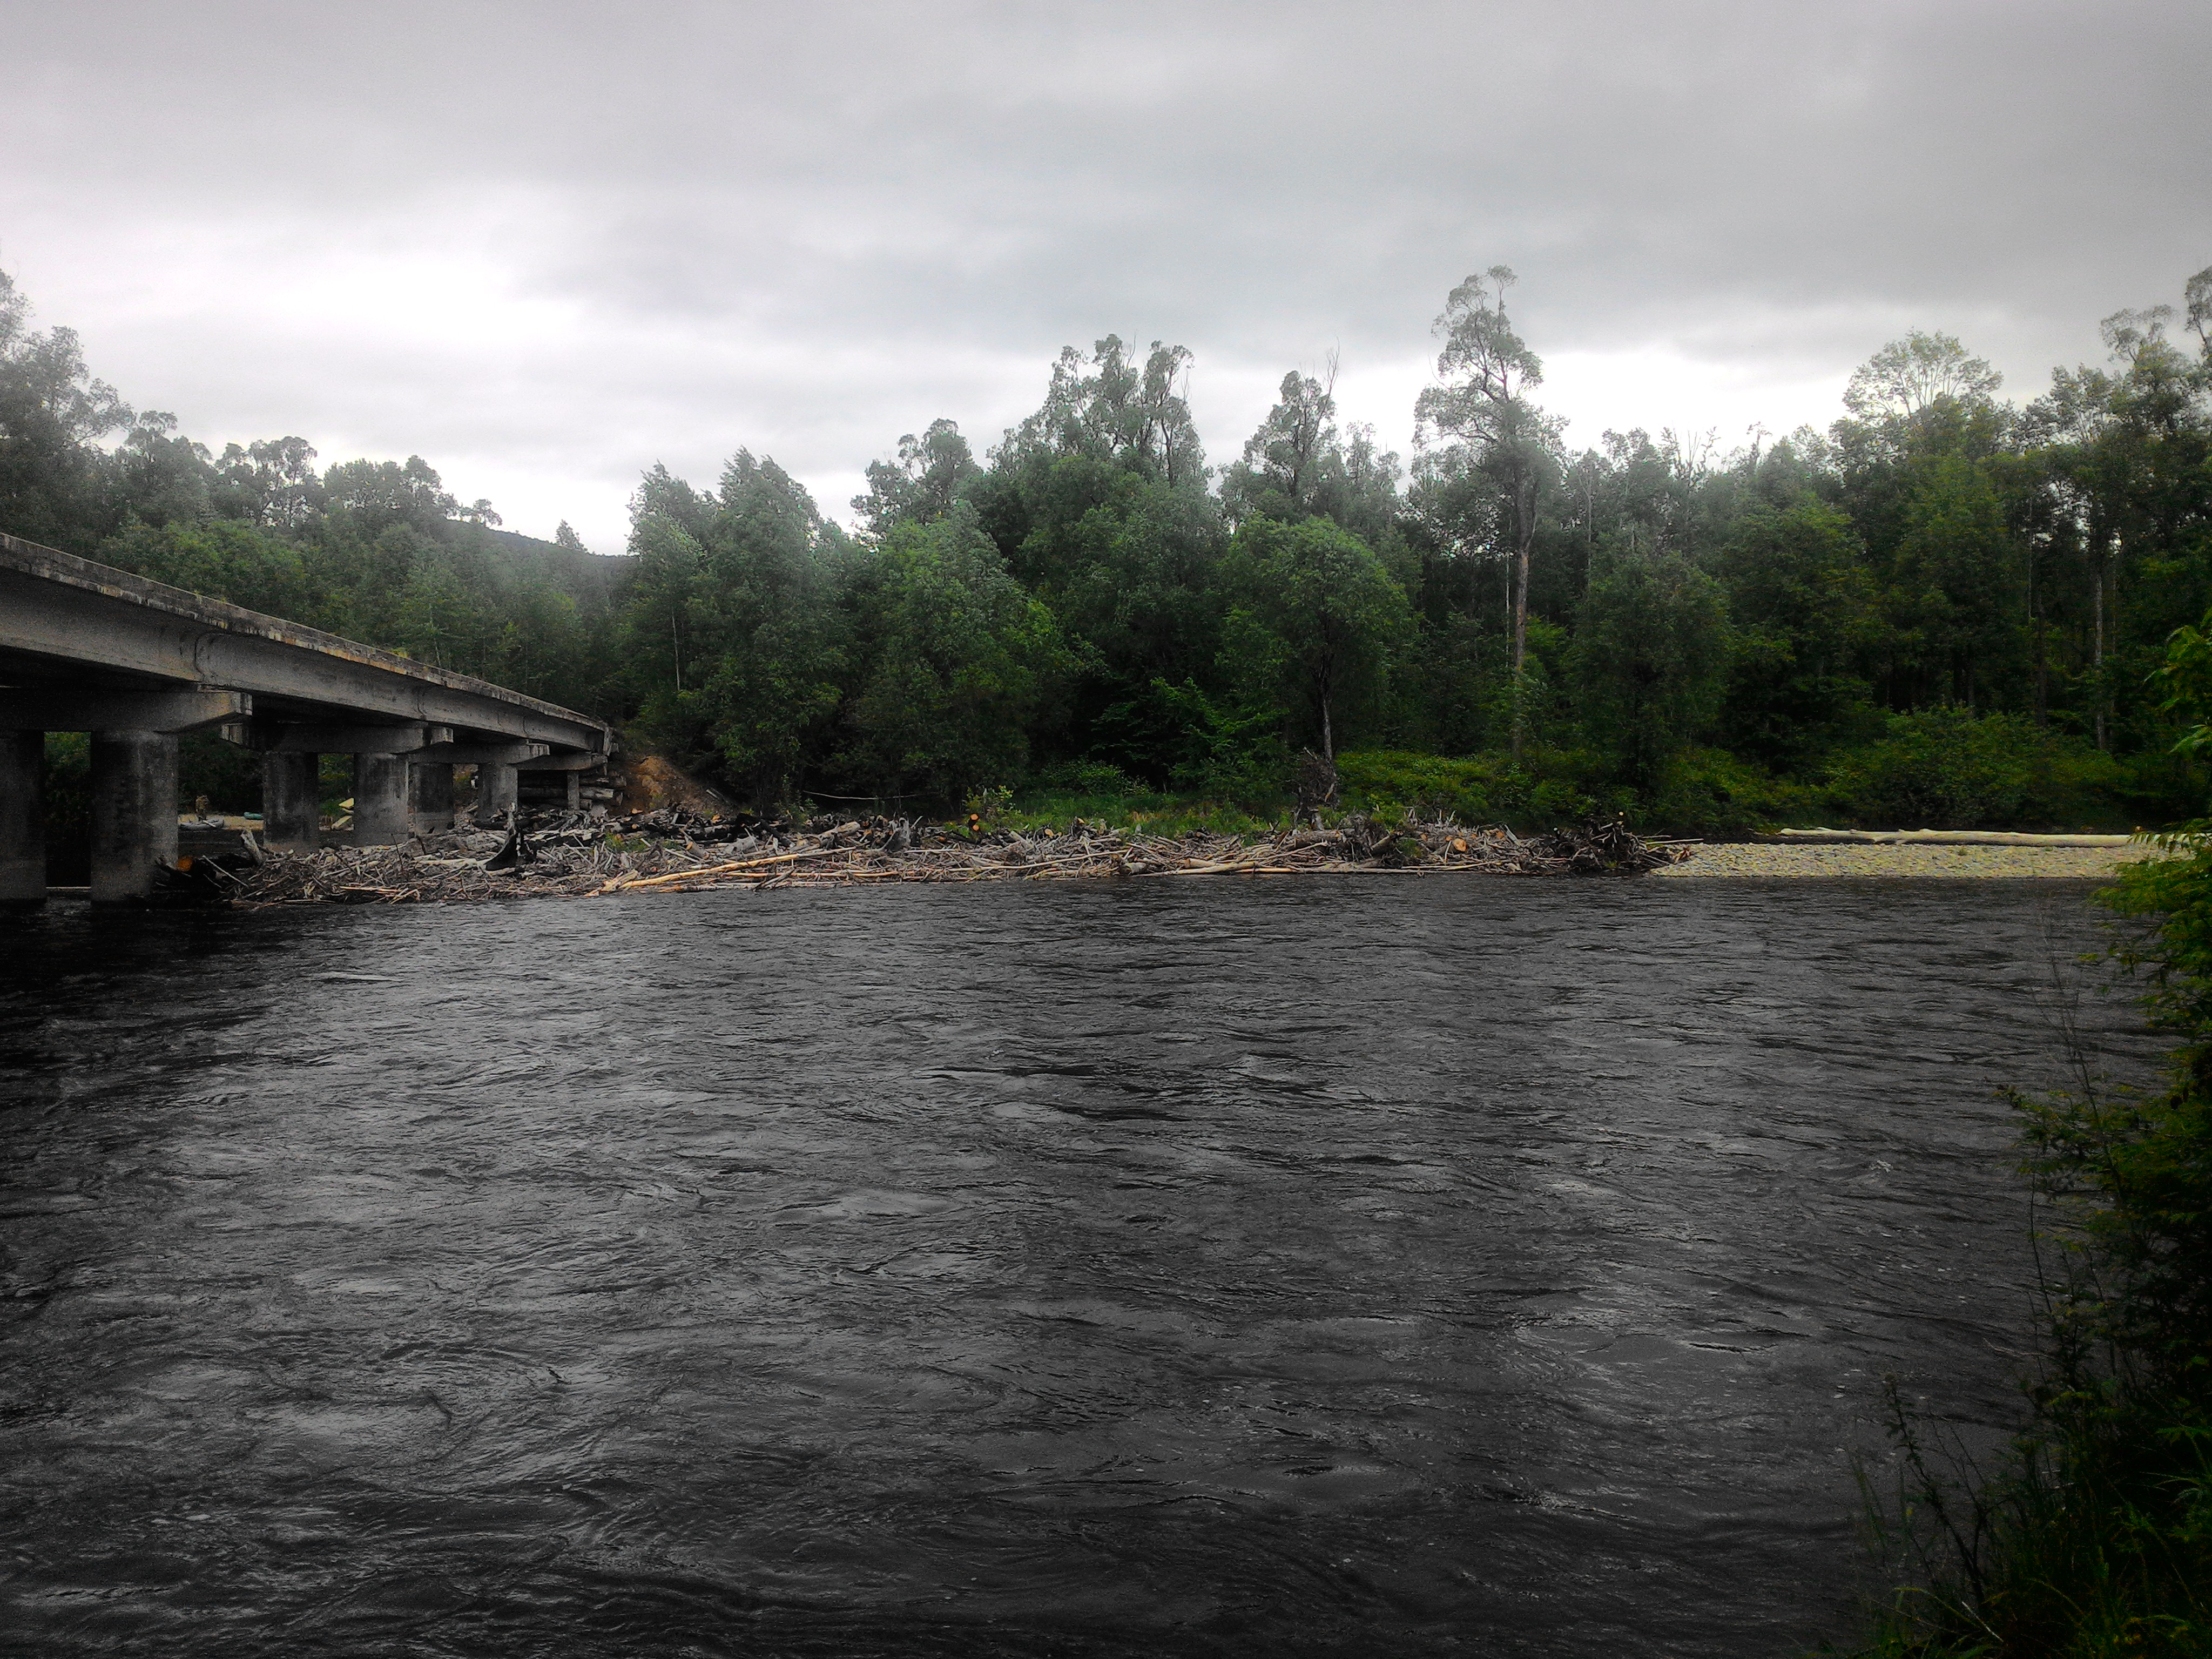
{"x": 1942, "y": 611}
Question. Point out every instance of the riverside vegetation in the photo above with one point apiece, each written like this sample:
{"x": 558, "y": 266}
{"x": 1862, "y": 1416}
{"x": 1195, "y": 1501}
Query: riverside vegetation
{"x": 2093, "y": 1537}
{"x": 1941, "y": 611}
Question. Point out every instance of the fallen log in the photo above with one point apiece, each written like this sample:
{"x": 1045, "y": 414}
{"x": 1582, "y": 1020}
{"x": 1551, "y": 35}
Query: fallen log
{"x": 1939, "y": 838}
{"x": 622, "y": 882}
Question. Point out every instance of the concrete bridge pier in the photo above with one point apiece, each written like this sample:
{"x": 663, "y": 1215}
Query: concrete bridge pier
{"x": 134, "y": 813}
{"x": 85, "y": 647}
{"x": 495, "y": 793}
{"x": 134, "y": 780}
{"x": 22, "y": 817}
{"x": 496, "y": 764}
{"x": 291, "y": 802}
{"x": 380, "y": 800}
{"x": 430, "y": 792}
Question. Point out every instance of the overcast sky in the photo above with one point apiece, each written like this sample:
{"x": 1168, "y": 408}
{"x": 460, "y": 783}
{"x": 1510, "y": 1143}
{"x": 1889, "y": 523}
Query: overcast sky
{"x": 546, "y": 244}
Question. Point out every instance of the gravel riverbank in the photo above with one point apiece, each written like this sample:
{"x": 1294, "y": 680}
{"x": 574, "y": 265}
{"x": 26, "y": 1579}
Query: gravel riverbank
{"x": 2068, "y": 863}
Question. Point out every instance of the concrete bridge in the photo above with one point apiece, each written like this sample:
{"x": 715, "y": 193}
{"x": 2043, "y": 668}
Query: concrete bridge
{"x": 85, "y": 647}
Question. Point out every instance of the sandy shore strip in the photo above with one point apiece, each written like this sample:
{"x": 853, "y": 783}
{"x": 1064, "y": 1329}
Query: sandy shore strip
{"x": 2063, "y": 863}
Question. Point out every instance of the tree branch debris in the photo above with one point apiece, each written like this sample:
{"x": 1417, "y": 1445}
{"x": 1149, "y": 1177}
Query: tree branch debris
{"x": 568, "y": 856}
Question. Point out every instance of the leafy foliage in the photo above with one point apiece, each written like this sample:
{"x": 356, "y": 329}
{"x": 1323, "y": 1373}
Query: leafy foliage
{"x": 1944, "y": 769}
{"x": 1693, "y": 637}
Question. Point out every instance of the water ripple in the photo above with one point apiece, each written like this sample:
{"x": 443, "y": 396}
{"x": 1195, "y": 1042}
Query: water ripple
{"x": 1498, "y": 1267}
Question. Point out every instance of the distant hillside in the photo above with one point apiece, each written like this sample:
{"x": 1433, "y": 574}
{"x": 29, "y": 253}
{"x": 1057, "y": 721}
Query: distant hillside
{"x": 576, "y": 570}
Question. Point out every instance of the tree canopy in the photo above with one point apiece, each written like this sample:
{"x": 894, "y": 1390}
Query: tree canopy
{"x": 1629, "y": 617}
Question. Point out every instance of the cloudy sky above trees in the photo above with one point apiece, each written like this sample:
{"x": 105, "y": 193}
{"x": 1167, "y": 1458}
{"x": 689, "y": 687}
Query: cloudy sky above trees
{"x": 546, "y": 244}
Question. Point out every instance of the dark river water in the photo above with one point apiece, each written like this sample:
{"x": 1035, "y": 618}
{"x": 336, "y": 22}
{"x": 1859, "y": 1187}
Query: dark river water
{"x": 1366, "y": 1268}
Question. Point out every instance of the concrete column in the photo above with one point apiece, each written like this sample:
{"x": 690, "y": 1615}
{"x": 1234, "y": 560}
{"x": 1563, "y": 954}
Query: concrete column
{"x": 291, "y": 804}
{"x": 495, "y": 787}
{"x": 380, "y": 800}
{"x": 575, "y": 781}
{"x": 134, "y": 813}
{"x": 430, "y": 795}
{"x": 22, "y": 817}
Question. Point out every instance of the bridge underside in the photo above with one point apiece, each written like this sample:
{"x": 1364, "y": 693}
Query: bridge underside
{"x": 136, "y": 664}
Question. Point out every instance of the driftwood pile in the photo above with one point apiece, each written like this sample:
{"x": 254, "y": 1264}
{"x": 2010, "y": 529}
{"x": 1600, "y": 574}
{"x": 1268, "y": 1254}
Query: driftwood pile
{"x": 574, "y": 855}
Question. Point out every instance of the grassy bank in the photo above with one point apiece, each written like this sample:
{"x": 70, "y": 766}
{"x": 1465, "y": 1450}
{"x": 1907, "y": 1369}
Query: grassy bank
{"x": 2094, "y": 1536}
{"x": 1941, "y": 769}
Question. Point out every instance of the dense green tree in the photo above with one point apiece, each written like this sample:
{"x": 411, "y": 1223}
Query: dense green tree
{"x": 1315, "y": 619}
{"x": 1802, "y": 605}
{"x": 1649, "y": 659}
{"x": 1957, "y": 585}
{"x": 961, "y": 661}
{"x": 749, "y": 670}
{"x": 1108, "y": 408}
{"x": 921, "y": 484}
{"x": 1281, "y": 473}
{"x": 1481, "y": 405}
{"x": 52, "y": 415}
{"x": 1298, "y": 464}
{"x": 271, "y": 482}
{"x": 1090, "y": 593}
{"x": 226, "y": 560}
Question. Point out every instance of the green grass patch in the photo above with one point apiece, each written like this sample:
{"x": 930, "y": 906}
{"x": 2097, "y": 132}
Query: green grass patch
{"x": 1152, "y": 812}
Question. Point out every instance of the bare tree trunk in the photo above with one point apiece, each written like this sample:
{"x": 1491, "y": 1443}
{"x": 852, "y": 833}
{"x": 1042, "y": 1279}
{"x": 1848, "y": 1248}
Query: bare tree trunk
{"x": 2097, "y": 648}
{"x": 1525, "y": 516}
{"x": 1328, "y": 736}
{"x": 2042, "y": 666}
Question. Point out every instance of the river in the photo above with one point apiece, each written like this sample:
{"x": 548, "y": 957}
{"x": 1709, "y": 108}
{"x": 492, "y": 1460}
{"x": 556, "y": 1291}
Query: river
{"x": 1338, "y": 1266}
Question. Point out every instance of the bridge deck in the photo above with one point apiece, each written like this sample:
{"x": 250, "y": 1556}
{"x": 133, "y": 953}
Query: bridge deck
{"x": 85, "y": 647}
{"x": 69, "y": 627}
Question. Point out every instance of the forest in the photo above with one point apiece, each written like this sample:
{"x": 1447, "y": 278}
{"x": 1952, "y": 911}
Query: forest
{"x": 1944, "y": 611}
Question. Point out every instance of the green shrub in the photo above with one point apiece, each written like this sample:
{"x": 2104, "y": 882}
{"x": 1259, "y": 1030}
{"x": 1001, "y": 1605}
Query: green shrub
{"x": 1427, "y": 784}
{"x": 1712, "y": 791}
{"x": 1944, "y": 769}
{"x": 1086, "y": 777}
{"x": 1702, "y": 791}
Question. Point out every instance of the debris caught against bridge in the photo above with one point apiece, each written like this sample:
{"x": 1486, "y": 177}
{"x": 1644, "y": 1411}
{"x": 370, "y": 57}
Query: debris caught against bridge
{"x": 85, "y": 647}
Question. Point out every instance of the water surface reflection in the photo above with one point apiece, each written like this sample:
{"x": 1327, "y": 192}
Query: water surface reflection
{"x": 1399, "y": 1267}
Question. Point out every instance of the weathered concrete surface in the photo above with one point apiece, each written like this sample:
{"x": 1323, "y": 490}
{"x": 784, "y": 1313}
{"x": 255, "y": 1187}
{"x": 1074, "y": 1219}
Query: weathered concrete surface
{"x": 71, "y": 626}
{"x": 480, "y": 754}
{"x": 47, "y": 710}
{"x": 134, "y": 813}
{"x": 326, "y": 739}
{"x": 22, "y": 817}
{"x": 291, "y": 810}
{"x": 496, "y": 791}
{"x": 430, "y": 792}
{"x": 380, "y": 800}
